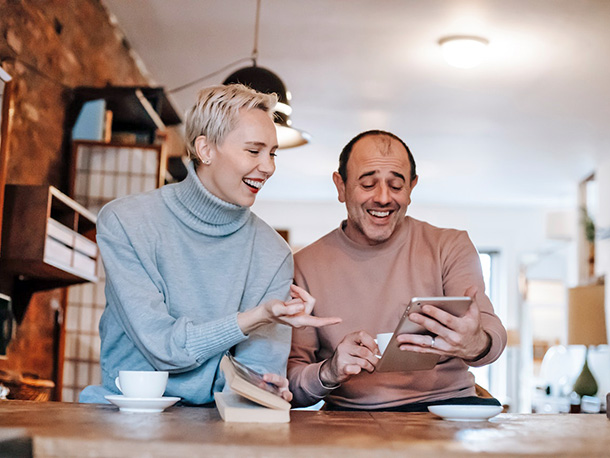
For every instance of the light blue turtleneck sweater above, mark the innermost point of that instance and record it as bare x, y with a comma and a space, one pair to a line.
180, 264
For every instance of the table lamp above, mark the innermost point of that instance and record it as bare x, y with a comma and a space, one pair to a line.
586, 326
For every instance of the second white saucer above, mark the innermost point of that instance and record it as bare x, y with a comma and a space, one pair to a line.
142, 405
465, 412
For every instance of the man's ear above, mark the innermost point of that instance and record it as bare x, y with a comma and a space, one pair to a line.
203, 149
340, 185
413, 184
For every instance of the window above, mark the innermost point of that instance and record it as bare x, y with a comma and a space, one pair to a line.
103, 172
483, 375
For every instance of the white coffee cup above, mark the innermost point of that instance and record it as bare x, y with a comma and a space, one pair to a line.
142, 384
383, 340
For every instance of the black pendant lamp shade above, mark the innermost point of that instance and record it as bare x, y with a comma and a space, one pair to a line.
264, 80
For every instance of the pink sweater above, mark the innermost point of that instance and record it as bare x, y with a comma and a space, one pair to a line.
369, 287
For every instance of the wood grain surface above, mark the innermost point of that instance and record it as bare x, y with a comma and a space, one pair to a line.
70, 430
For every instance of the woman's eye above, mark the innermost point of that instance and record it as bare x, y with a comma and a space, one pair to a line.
253, 151
273, 154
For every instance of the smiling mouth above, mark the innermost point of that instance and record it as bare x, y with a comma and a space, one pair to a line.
254, 185
379, 214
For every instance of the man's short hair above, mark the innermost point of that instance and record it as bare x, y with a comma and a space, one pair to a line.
347, 151
216, 112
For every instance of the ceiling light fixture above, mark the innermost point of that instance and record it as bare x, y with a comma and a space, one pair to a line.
463, 51
264, 80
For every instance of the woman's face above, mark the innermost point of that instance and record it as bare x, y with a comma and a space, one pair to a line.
240, 166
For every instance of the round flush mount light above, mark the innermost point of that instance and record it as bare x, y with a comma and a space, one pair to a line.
463, 51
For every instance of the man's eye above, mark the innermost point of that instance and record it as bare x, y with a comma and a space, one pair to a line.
367, 186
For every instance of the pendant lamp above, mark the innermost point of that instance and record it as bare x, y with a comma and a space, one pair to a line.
264, 80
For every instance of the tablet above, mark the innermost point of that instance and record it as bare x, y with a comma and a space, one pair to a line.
396, 360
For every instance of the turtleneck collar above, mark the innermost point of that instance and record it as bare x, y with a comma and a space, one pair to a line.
202, 211
365, 251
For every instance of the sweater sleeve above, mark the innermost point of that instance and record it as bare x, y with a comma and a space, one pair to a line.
267, 347
462, 269
303, 364
134, 292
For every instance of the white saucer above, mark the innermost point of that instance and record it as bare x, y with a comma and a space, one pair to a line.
465, 413
143, 405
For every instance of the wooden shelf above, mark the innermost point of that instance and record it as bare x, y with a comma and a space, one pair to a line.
48, 238
134, 108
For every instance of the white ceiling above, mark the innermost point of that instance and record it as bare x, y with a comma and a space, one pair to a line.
522, 129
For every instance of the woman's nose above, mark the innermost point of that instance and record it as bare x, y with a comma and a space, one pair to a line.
267, 165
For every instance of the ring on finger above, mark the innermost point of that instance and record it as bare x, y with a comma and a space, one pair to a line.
432, 343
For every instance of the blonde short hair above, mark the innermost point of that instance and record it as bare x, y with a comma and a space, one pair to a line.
216, 112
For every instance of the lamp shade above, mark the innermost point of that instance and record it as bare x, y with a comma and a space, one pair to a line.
586, 315
264, 80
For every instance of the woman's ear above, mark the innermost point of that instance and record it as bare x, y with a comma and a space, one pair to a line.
203, 149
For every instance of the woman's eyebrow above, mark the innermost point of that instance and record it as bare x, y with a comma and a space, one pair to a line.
255, 143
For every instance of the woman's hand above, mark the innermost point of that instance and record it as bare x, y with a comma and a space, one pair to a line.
281, 383
296, 313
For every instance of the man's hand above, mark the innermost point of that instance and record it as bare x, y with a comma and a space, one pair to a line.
356, 352
296, 313
281, 383
461, 337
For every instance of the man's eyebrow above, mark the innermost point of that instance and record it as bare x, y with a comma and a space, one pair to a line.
372, 172
367, 174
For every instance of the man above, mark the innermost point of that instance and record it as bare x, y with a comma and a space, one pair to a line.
366, 271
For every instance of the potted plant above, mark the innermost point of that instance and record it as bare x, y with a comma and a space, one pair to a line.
589, 229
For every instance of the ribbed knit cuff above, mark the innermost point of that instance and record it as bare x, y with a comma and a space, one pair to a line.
205, 341
491, 352
314, 386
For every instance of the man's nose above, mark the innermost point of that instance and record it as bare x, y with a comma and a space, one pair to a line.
383, 195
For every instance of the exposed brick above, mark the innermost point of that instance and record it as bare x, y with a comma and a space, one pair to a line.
86, 52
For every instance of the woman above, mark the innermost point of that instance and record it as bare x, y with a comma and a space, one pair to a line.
191, 272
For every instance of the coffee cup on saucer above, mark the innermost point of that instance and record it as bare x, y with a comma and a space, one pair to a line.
142, 384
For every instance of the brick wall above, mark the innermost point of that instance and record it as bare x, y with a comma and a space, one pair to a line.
50, 47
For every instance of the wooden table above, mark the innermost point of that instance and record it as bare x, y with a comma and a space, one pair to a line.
75, 430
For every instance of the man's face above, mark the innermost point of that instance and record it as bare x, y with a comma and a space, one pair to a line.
378, 189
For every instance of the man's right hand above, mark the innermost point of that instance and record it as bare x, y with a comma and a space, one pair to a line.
356, 352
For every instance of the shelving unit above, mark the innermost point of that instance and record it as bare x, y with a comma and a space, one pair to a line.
49, 239
6, 117
134, 160
143, 111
